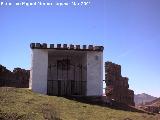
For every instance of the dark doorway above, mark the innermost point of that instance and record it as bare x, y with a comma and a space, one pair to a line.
67, 79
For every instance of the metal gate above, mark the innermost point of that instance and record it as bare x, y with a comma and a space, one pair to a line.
67, 80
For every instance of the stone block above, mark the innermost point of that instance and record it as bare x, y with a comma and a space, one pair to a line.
77, 47
44, 45
32, 45
99, 48
51, 45
38, 45
58, 45
90, 47
65, 46
71, 46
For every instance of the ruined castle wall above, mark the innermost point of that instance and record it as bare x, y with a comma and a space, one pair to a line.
18, 78
117, 87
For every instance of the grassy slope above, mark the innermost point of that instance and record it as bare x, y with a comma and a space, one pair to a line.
24, 104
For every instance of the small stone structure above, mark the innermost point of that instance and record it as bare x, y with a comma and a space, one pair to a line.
67, 70
117, 87
18, 78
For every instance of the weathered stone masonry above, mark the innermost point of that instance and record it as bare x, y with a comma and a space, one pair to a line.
18, 78
117, 87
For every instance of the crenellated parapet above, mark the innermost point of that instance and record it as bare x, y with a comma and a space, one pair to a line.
66, 47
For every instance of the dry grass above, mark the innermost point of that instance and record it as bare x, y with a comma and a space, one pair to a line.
23, 104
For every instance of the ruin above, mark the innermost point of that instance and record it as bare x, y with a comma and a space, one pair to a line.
64, 70
72, 70
117, 87
18, 78
150, 108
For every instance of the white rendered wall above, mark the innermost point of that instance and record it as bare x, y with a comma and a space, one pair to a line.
94, 73
39, 69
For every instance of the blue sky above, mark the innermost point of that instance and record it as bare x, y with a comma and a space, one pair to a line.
128, 29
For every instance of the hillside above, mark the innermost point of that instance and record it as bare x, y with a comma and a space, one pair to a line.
23, 104
143, 98
155, 102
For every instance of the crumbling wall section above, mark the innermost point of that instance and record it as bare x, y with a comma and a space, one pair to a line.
117, 87
18, 78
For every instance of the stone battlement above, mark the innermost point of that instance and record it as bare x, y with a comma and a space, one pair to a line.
66, 47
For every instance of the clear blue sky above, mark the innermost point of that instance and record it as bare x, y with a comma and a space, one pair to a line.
128, 29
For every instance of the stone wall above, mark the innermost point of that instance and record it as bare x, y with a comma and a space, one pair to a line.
94, 73
117, 87
18, 78
39, 68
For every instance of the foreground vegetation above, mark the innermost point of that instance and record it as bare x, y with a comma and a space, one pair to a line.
23, 104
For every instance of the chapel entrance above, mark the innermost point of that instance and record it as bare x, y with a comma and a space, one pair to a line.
66, 76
